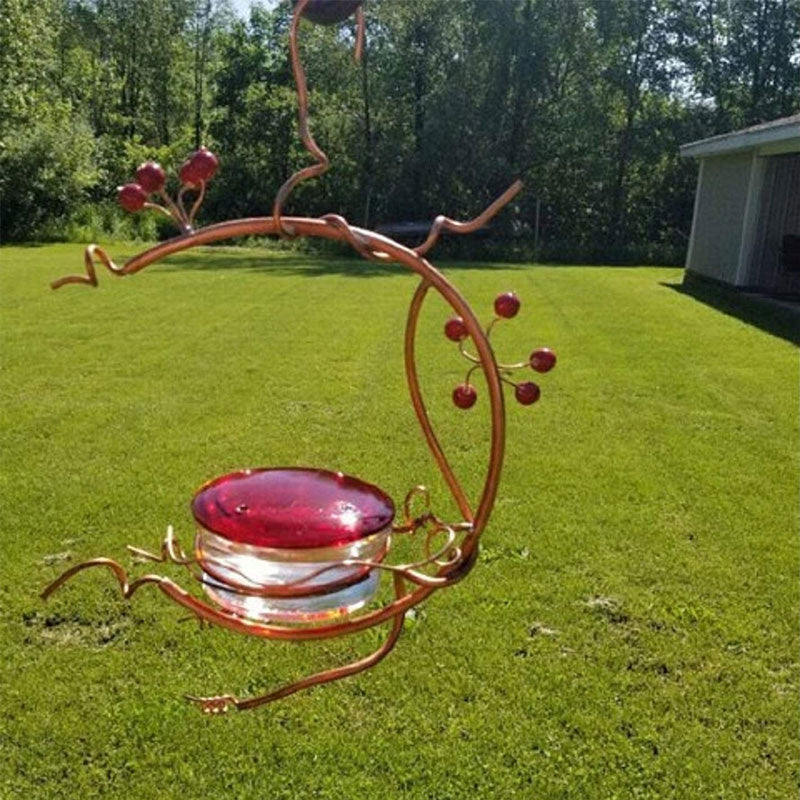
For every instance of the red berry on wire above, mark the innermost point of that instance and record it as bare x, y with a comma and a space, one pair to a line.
329, 12
188, 174
464, 395
543, 359
131, 197
455, 329
527, 393
151, 176
204, 164
506, 305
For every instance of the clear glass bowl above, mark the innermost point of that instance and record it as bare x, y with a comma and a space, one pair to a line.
327, 589
271, 542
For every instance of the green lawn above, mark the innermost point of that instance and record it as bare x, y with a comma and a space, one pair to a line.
630, 632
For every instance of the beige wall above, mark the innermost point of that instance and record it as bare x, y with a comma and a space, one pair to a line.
719, 216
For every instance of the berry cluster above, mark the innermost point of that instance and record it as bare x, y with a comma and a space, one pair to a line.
542, 360
151, 179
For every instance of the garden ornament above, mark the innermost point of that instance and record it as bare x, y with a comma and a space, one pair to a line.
295, 553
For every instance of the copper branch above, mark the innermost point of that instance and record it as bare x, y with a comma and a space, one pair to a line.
430, 277
197, 203
178, 215
361, 31
472, 225
221, 703
501, 367
314, 170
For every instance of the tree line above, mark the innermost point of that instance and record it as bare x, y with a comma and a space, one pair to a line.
586, 100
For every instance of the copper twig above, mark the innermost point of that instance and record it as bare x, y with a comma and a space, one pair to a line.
349, 235
314, 170
500, 366
128, 588
221, 703
472, 225
361, 30
170, 551
174, 210
197, 203
184, 216
158, 207
90, 277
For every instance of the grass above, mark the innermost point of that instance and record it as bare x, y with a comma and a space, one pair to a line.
630, 632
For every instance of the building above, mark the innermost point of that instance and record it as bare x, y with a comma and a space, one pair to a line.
746, 224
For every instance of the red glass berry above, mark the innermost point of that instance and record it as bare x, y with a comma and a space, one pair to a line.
189, 175
131, 197
329, 12
527, 393
204, 164
464, 395
506, 305
543, 359
151, 176
455, 329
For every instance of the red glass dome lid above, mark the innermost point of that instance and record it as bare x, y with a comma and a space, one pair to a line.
329, 12
291, 508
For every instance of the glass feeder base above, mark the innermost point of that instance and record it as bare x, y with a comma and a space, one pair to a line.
328, 587
295, 609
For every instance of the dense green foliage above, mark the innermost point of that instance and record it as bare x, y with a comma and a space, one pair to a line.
630, 630
587, 100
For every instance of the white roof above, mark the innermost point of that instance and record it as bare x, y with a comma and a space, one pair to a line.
779, 134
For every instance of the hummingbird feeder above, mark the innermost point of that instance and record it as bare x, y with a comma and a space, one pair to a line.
296, 553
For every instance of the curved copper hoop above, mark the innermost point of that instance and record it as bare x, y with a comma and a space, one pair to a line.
337, 229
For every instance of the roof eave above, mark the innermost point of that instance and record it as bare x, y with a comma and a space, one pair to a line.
738, 142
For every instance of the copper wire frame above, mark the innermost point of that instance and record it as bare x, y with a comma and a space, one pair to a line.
449, 550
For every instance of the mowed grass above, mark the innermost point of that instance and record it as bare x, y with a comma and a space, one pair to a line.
630, 631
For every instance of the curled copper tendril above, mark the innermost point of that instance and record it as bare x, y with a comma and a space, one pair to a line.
322, 162
442, 222
90, 276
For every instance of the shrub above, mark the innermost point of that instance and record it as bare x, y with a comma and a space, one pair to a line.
44, 171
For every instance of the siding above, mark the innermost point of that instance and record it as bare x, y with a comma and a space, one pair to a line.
719, 216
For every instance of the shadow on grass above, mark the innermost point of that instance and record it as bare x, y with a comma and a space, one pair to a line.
761, 312
309, 266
